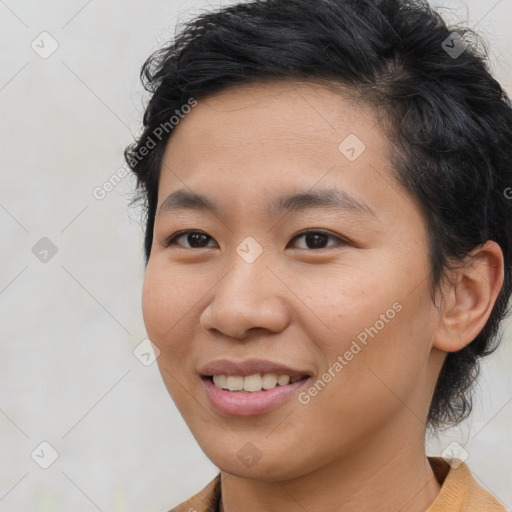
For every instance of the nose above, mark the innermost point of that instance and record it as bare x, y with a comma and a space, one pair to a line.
247, 296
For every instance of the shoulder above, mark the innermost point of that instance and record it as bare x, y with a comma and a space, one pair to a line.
206, 500
460, 492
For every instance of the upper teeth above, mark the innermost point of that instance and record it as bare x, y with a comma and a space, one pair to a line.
252, 383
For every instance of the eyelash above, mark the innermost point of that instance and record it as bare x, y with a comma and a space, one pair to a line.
173, 238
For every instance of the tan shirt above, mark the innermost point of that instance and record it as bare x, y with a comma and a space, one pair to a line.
459, 492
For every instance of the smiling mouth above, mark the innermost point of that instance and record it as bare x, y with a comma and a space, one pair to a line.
252, 383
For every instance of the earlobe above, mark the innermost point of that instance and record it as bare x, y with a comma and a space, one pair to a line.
470, 297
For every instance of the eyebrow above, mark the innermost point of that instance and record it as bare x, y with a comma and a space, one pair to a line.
323, 198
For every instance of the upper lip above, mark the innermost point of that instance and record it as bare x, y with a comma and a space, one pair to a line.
248, 367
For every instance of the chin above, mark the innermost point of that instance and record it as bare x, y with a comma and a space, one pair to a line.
267, 468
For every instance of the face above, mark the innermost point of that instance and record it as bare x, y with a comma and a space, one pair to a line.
302, 258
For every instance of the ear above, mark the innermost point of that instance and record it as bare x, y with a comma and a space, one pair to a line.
469, 296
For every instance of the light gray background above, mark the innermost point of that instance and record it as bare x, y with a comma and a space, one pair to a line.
68, 375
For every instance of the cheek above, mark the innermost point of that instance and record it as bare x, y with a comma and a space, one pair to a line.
155, 304
351, 301
379, 327
166, 302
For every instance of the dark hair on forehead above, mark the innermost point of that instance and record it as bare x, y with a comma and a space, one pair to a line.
447, 120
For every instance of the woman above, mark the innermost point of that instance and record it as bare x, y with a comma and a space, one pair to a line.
328, 249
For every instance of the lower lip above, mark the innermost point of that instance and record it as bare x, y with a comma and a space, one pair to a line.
235, 403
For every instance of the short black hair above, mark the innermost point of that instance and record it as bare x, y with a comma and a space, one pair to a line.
447, 120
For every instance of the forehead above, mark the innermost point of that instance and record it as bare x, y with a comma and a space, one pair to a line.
256, 142
292, 116
288, 125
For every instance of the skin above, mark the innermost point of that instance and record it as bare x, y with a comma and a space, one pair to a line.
359, 443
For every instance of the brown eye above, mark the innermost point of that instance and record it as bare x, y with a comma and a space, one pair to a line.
315, 239
195, 239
